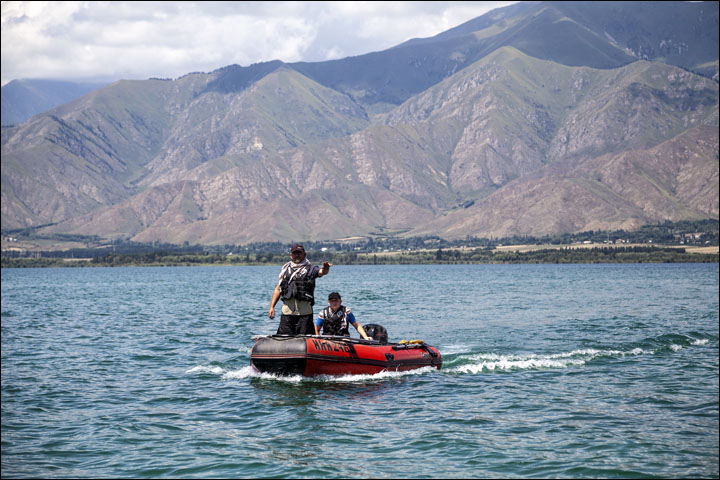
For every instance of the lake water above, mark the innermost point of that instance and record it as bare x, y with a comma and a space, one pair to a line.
548, 371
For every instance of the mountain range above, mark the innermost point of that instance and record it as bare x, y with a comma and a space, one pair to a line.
538, 118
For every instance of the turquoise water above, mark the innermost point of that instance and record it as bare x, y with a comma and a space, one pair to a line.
549, 371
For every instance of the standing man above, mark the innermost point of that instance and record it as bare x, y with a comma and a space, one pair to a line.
296, 287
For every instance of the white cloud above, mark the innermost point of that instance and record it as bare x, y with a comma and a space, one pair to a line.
111, 40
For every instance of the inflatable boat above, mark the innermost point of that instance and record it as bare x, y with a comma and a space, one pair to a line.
311, 355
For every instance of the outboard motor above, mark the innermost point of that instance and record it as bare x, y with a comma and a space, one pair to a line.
376, 332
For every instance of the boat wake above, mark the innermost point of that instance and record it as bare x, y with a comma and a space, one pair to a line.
250, 372
459, 359
491, 362
474, 363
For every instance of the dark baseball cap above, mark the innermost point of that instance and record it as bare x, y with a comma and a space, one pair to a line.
297, 248
334, 295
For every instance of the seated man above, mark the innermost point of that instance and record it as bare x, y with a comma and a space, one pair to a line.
335, 318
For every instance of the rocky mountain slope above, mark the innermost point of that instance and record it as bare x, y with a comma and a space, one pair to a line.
509, 143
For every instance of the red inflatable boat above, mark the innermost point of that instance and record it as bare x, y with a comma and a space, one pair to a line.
311, 355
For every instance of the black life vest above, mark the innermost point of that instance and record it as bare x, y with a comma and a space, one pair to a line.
335, 323
298, 284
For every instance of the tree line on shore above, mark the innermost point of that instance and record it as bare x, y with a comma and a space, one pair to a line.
698, 232
634, 254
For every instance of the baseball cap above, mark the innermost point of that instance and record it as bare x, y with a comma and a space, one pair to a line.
297, 248
334, 295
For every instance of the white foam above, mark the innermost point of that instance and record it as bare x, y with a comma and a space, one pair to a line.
251, 372
675, 347
509, 364
488, 362
377, 376
206, 369
701, 341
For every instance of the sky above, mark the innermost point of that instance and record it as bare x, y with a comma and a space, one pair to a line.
107, 41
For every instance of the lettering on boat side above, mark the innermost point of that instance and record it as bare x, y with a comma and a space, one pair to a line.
328, 346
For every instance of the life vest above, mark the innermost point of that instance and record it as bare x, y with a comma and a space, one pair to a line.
335, 323
298, 284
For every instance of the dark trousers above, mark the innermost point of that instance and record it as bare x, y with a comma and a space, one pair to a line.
296, 325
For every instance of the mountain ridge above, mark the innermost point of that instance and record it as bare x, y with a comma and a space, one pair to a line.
24, 98
687, 39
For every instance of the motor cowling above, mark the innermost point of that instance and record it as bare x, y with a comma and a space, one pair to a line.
376, 332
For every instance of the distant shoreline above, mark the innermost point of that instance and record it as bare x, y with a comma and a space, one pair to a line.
510, 254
